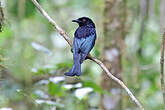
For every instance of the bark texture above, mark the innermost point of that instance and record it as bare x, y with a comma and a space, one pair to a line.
162, 15
114, 32
1, 17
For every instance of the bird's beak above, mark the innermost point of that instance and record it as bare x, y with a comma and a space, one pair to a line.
76, 20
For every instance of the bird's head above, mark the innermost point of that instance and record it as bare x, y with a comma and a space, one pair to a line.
84, 21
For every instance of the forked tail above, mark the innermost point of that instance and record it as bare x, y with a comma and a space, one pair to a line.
76, 68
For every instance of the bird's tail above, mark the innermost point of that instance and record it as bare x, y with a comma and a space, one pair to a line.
76, 68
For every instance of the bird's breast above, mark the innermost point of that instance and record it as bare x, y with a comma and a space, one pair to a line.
84, 32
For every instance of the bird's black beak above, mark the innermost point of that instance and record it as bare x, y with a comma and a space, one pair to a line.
76, 20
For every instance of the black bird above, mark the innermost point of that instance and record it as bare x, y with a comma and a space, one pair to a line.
84, 40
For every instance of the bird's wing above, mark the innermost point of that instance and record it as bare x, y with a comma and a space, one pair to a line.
77, 42
76, 68
86, 46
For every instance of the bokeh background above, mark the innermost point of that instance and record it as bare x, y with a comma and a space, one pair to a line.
34, 57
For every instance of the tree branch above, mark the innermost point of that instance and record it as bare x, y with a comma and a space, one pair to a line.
162, 67
64, 35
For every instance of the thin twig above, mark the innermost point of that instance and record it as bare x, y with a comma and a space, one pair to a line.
63, 34
162, 67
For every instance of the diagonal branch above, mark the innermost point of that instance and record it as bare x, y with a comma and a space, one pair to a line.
162, 67
64, 35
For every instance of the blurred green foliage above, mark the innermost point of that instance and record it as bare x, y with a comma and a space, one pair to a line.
24, 62
28, 7
55, 89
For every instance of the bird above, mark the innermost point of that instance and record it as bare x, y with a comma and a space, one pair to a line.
83, 42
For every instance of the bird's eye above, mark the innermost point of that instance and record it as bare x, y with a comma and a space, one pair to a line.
84, 20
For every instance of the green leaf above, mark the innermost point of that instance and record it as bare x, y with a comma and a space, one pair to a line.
62, 65
6, 33
97, 53
43, 71
55, 89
